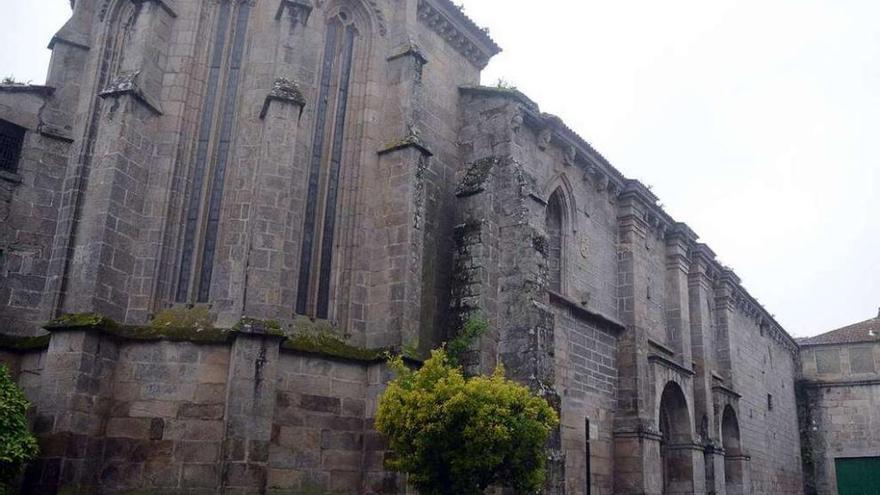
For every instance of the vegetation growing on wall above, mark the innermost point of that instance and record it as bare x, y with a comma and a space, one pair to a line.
17, 445
458, 435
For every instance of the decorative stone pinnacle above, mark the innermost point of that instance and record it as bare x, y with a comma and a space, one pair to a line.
283, 90
126, 83
300, 10
410, 49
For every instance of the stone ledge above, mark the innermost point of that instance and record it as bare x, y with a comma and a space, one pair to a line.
319, 345
91, 322
668, 363
727, 391
411, 141
17, 343
585, 313
12, 177
840, 383
331, 347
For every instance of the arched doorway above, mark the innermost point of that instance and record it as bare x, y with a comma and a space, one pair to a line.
676, 444
733, 455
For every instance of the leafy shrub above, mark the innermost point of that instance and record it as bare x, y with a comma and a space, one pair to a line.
17, 445
458, 435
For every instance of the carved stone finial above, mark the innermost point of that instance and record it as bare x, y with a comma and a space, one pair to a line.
283, 90
570, 156
516, 122
544, 138
126, 83
602, 182
300, 10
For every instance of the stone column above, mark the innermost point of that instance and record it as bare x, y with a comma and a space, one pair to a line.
701, 295
404, 164
72, 406
737, 463
678, 245
70, 50
636, 441
725, 304
250, 404
270, 255
102, 215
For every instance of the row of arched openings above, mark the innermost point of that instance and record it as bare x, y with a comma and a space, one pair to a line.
676, 462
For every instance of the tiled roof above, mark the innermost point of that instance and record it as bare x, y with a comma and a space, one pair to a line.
866, 331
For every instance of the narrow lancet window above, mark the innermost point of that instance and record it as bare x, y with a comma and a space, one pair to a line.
554, 241
212, 152
316, 257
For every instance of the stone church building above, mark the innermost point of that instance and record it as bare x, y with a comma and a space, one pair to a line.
323, 180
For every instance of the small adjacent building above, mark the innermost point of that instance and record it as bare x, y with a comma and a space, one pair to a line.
840, 410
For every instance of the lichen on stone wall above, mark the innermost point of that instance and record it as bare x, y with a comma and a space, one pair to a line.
477, 174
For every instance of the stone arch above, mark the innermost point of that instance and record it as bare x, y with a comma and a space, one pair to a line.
733, 454
676, 444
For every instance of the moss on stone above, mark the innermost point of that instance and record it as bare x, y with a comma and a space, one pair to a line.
196, 317
261, 327
176, 325
80, 321
18, 343
172, 334
329, 345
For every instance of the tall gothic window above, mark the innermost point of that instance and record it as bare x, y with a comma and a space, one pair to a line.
213, 151
554, 240
319, 228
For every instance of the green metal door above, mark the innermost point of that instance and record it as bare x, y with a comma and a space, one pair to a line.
858, 476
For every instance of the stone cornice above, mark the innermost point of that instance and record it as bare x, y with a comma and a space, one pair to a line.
447, 20
840, 383
43, 91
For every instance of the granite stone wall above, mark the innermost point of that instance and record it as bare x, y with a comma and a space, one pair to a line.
840, 409
119, 416
181, 156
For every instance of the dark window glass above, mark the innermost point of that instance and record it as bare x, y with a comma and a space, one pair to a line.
325, 167
554, 242
11, 140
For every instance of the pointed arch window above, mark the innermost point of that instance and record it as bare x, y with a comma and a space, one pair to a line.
213, 151
326, 163
555, 245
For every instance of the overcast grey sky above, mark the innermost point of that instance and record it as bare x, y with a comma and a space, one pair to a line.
757, 122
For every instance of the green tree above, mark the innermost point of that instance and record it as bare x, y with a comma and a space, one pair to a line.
17, 445
456, 435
